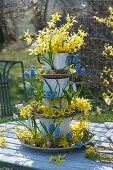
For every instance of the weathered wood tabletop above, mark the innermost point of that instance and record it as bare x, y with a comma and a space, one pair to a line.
16, 156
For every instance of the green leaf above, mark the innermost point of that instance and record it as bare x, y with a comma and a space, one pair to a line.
56, 87
48, 86
45, 128
23, 124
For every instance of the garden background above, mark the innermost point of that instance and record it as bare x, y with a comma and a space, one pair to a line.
16, 16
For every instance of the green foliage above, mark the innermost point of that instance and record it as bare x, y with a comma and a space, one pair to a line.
48, 134
15, 76
32, 128
70, 93
92, 152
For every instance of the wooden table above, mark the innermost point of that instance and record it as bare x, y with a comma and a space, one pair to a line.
16, 156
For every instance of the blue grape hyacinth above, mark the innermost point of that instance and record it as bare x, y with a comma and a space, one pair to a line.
57, 132
51, 96
68, 60
32, 67
26, 74
77, 67
69, 136
75, 59
79, 145
54, 95
51, 127
32, 73
31, 88
83, 71
48, 95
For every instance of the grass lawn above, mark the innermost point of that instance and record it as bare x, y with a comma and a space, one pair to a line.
15, 76
16, 86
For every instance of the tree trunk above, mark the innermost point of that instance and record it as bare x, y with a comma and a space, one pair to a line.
45, 11
3, 25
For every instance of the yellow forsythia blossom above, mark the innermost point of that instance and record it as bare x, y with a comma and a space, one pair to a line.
26, 111
60, 37
109, 22
78, 105
58, 159
2, 139
78, 129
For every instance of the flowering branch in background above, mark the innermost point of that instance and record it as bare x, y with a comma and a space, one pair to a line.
108, 72
108, 21
28, 37
108, 95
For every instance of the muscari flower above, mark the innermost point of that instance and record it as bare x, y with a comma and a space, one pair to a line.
31, 88
54, 95
57, 132
83, 71
32, 73
51, 96
51, 127
68, 60
26, 74
48, 95
75, 59
69, 136
77, 67
32, 67
78, 145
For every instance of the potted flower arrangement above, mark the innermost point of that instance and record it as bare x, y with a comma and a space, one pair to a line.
53, 44
56, 102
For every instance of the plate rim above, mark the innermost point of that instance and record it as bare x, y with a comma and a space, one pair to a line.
54, 149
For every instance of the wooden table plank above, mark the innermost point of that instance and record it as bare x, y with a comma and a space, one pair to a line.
17, 156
